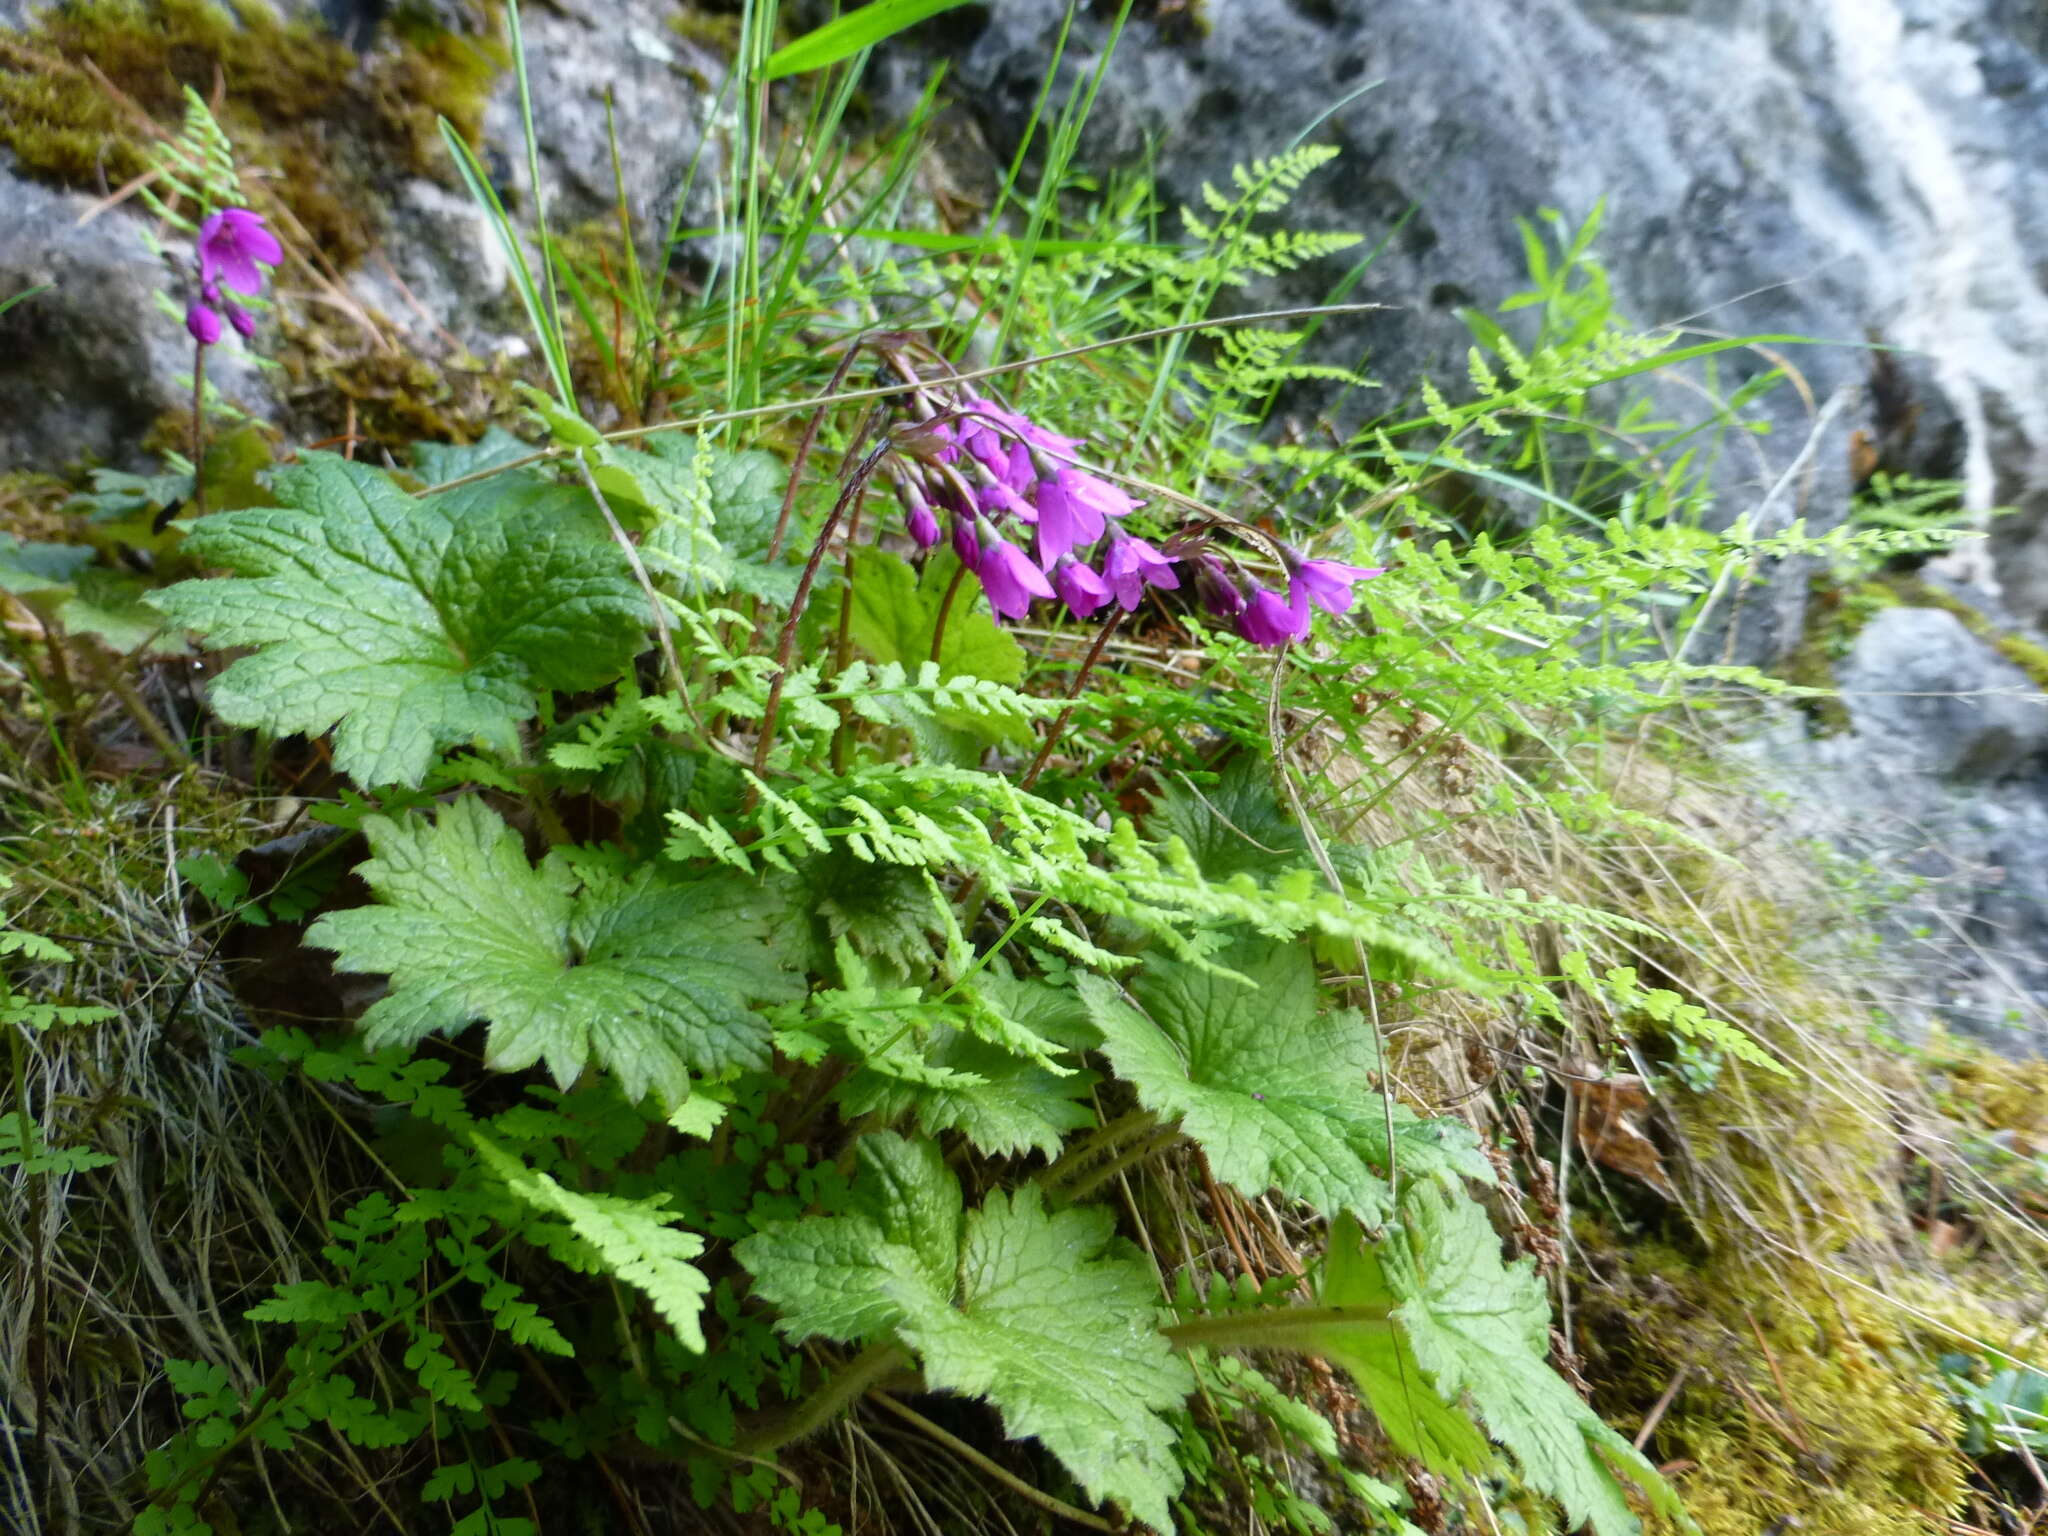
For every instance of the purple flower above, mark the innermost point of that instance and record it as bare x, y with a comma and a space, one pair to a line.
1009, 577
918, 518
242, 321
231, 243
1219, 593
1079, 587
1327, 583
985, 424
203, 322
965, 544
1269, 622
1133, 565
1072, 507
997, 498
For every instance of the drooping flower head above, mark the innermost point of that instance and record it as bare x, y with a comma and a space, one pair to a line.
1008, 575
1326, 583
1073, 506
1268, 621
1079, 587
1133, 565
234, 246
1217, 590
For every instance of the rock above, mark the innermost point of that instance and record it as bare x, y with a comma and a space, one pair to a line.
1938, 798
89, 365
1929, 697
661, 87
1825, 168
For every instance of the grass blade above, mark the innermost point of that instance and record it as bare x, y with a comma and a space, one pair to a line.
849, 34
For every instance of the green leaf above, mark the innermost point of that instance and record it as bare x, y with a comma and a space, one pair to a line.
644, 977
438, 462
1276, 1094
632, 1239
1470, 1329
32, 569
408, 624
716, 512
1233, 826
894, 614
1004, 1103
1040, 1313
847, 35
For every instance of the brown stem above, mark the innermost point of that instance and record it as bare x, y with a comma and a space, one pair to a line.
946, 610
803, 454
1059, 726
786, 646
842, 650
199, 429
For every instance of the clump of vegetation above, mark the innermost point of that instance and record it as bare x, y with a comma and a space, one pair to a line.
856, 959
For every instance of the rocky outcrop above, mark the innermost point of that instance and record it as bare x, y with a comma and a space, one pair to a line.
1937, 796
1825, 168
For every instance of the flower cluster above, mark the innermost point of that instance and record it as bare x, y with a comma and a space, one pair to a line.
232, 244
1032, 524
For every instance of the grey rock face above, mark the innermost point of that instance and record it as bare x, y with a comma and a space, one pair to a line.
1928, 696
1826, 168
88, 365
1938, 790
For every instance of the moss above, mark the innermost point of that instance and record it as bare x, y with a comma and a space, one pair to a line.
2029, 656
316, 133
1838, 615
392, 398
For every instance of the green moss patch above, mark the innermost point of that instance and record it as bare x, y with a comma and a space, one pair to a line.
317, 129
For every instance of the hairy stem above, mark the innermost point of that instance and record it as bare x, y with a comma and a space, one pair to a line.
1300, 1329
869, 1368
1127, 1157
1094, 1144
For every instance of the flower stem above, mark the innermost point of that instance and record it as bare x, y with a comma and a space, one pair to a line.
946, 609
786, 647
842, 650
1059, 726
803, 454
199, 429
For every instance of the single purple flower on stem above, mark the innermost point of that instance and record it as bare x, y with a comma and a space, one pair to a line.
1009, 577
1131, 566
231, 244
242, 321
1079, 587
1218, 591
203, 321
1072, 510
1268, 621
1327, 583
